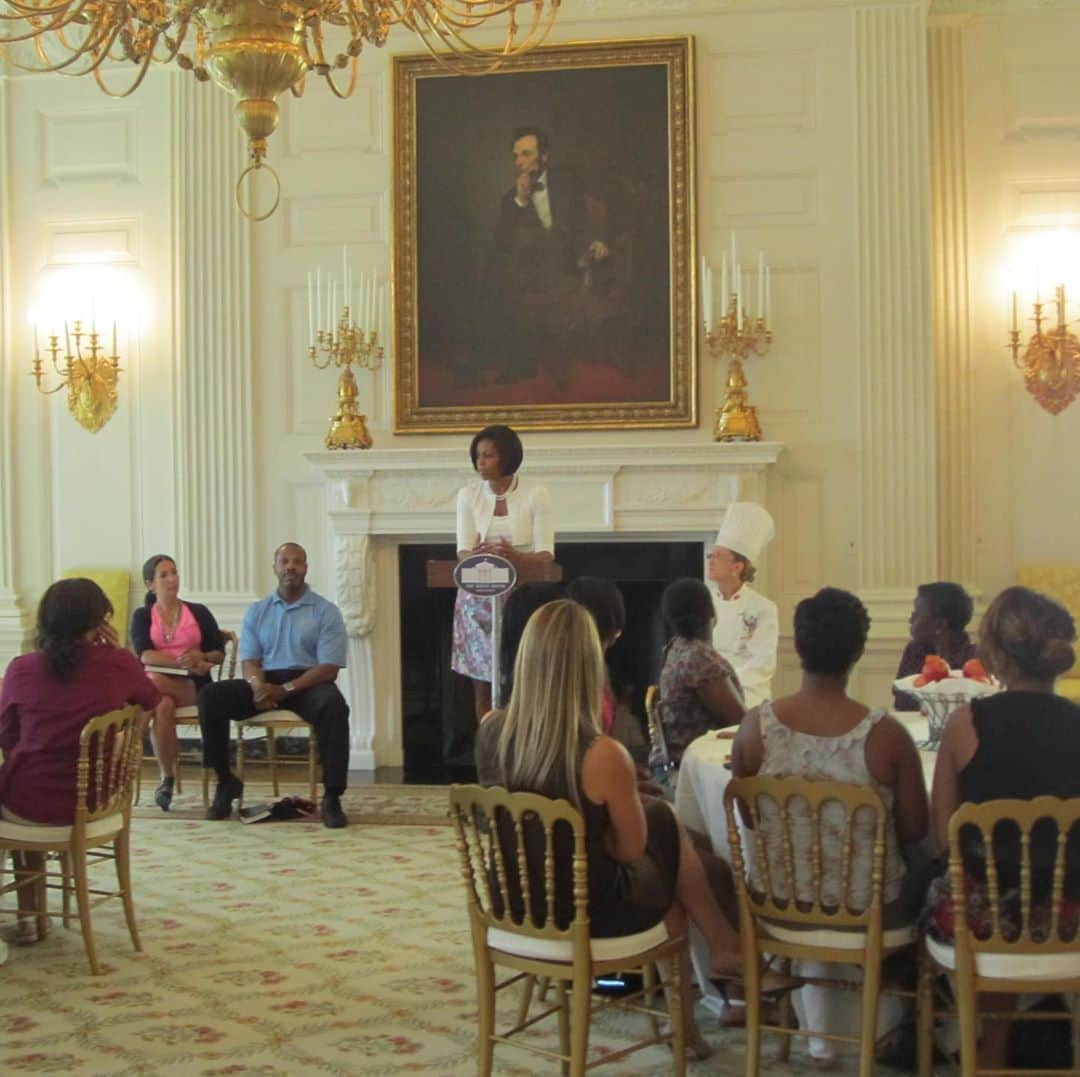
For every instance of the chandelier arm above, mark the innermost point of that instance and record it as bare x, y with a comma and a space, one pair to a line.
76, 54
49, 392
354, 71
300, 82
63, 17
482, 59
143, 68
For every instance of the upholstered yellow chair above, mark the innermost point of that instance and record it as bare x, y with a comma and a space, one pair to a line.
820, 924
1063, 583
187, 717
504, 891
1026, 945
116, 583
110, 747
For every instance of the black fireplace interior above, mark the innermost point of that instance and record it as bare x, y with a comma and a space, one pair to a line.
438, 723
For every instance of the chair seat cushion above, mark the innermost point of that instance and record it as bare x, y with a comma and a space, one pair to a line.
274, 718
562, 950
1059, 966
837, 938
99, 829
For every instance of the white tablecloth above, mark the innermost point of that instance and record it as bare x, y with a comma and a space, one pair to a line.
699, 800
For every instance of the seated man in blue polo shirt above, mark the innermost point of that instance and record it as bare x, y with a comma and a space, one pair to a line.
291, 647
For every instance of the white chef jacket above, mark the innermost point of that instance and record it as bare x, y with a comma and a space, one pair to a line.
746, 634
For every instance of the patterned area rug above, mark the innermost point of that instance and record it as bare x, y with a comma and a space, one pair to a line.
367, 805
280, 950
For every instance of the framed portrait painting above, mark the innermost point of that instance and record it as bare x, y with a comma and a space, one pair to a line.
543, 240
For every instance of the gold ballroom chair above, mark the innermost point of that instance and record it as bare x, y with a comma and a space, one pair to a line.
815, 927
187, 717
1040, 959
495, 873
110, 748
273, 724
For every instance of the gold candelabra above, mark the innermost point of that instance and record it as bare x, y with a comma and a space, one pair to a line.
346, 345
737, 335
1050, 361
89, 375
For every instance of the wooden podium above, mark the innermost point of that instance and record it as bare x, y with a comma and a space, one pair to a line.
440, 574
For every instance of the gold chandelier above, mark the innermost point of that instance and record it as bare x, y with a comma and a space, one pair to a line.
257, 49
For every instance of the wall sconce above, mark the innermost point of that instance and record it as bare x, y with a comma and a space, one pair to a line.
1050, 360
71, 352
89, 375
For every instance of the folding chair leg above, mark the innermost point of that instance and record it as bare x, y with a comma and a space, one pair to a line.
527, 985
580, 1015
66, 887
679, 1011
122, 851
485, 1000
967, 1015
786, 1015
82, 897
753, 1017
564, 1025
924, 1016
871, 994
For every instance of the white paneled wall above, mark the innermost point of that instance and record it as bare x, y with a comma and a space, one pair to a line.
817, 124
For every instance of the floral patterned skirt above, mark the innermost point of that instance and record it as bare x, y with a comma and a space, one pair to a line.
471, 650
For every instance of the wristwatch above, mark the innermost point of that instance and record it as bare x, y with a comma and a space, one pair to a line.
289, 687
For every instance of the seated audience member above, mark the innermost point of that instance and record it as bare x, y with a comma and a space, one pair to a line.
168, 632
521, 604
699, 690
747, 628
1021, 743
292, 646
820, 733
604, 601
642, 868
939, 620
75, 672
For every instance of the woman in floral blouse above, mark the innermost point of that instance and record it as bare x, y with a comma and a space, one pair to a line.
699, 690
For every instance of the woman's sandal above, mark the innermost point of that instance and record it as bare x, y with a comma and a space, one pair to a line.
774, 985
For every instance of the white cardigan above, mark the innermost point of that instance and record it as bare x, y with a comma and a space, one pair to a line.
528, 508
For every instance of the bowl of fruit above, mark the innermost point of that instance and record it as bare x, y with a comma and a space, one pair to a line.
941, 690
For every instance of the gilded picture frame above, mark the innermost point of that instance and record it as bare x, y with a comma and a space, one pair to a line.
544, 240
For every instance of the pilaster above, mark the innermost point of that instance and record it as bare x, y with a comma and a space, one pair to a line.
213, 356
897, 535
12, 625
952, 331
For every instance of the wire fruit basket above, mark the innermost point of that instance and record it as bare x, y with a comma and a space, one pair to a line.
939, 699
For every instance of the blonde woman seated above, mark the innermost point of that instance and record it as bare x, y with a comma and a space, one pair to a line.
642, 869
184, 636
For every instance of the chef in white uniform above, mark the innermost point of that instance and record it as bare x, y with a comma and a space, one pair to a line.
747, 628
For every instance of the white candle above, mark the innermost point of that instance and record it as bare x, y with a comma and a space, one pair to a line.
704, 271
761, 284
768, 296
382, 311
318, 293
345, 272
36, 354
114, 351
738, 298
67, 338
725, 295
734, 253
93, 319
310, 308
1015, 315
333, 303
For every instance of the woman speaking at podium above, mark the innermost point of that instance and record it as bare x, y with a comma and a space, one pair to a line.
502, 514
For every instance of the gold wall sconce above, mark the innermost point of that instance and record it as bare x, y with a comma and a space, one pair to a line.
82, 367
1050, 360
736, 334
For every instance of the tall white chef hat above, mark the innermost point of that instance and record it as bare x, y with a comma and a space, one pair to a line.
747, 529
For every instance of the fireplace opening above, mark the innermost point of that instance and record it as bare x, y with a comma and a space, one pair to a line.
438, 720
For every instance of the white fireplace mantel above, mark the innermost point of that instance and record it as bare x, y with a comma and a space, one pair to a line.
380, 499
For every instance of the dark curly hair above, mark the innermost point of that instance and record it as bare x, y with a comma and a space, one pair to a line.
830, 631
603, 599
67, 611
1029, 632
506, 442
948, 602
149, 568
687, 607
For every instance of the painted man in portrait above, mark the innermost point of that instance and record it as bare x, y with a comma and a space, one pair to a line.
550, 252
